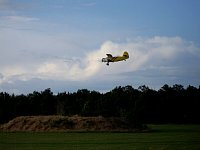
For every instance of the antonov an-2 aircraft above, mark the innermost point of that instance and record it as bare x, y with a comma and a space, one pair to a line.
110, 58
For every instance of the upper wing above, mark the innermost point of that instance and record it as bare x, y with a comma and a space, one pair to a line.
109, 55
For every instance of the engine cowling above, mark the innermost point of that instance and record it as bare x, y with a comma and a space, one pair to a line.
104, 60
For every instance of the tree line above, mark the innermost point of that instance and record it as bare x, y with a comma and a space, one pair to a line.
169, 104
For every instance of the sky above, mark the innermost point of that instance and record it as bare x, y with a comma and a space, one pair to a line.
59, 44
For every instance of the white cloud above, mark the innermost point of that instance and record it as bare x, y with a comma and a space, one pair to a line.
1, 78
156, 56
18, 22
21, 19
90, 4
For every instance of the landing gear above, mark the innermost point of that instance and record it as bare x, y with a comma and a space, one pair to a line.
105, 60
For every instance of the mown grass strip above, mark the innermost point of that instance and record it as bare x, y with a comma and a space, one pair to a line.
164, 137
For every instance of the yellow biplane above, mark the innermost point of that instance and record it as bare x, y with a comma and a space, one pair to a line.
110, 58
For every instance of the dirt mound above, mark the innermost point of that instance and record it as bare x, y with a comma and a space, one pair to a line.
64, 123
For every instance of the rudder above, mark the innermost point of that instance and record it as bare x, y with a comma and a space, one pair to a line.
126, 55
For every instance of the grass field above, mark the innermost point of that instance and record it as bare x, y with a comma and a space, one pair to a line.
163, 137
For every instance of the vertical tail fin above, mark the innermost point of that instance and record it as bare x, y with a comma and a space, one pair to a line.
126, 55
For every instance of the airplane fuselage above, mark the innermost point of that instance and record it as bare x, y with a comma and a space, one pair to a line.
115, 59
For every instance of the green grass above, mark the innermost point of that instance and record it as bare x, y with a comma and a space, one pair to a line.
163, 137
